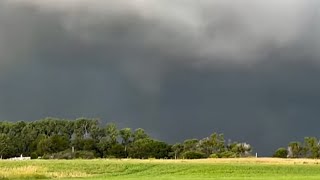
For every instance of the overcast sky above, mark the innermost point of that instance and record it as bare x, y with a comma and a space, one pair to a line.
177, 68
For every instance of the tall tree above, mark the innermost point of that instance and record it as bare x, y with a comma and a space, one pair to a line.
311, 147
126, 135
294, 149
177, 149
190, 145
112, 133
140, 134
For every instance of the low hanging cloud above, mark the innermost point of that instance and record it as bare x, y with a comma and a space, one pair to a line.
248, 69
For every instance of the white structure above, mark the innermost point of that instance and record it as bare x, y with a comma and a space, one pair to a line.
21, 158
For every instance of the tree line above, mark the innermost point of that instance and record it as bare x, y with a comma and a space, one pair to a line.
87, 138
308, 148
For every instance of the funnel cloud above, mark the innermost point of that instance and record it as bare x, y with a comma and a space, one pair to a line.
178, 68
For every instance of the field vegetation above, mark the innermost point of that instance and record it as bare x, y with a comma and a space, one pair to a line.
233, 169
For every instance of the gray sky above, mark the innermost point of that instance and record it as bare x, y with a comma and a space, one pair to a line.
178, 68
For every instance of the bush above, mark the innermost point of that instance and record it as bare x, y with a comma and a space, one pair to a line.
281, 153
84, 155
116, 151
34, 155
63, 155
47, 156
59, 155
193, 155
214, 156
228, 154
69, 155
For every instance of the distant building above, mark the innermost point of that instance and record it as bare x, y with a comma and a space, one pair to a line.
21, 158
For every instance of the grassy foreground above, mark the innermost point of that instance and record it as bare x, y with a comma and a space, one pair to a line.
233, 169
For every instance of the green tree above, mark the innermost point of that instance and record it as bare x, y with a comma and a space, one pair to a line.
281, 153
177, 150
4, 146
215, 144
43, 147
241, 149
311, 147
148, 148
104, 146
140, 148
116, 151
58, 143
112, 133
83, 127
53, 144
126, 135
190, 145
159, 150
140, 134
294, 149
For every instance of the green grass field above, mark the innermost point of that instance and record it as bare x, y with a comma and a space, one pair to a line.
233, 169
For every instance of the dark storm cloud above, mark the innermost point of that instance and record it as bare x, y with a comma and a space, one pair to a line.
179, 69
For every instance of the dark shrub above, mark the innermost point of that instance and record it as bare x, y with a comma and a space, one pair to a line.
281, 153
69, 155
214, 156
193, 155
228, 154
34, 155
84, 155
117, 151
